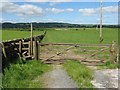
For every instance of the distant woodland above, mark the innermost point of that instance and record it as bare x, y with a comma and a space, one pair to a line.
26, 26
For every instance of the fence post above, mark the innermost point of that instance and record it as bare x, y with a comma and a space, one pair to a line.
20, 47
35, 50
118, 48
113, 52
38, 50
29, 46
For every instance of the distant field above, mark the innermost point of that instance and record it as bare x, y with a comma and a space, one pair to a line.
81, 36
10, 34
89, 35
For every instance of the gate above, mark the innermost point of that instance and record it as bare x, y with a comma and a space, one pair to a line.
89, 54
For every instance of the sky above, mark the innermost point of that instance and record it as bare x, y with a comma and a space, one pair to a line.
66, 11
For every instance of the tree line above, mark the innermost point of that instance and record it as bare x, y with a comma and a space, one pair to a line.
26, 26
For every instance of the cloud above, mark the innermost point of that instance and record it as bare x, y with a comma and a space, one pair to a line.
29, 10
21, 10
60, 0
5, 1
53, 3
56, 11
110, 9
91, 11
87, 11
8, 7
70, 10
52, 20
48, 0
1, 19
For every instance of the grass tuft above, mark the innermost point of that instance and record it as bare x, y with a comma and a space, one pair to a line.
22, 75
79, 73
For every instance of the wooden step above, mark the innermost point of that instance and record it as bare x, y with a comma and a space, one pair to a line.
25, 48
91, 61
49, 62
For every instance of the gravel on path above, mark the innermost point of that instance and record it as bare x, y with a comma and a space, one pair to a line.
107, 78
58, 78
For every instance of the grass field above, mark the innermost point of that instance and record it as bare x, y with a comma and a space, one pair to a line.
12, 34
90, 35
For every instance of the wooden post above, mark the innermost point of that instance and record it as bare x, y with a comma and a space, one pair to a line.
31, 39
117, 55
0, 59
113, 52
101, 39
20, 47
38, 49
35, 50
29, 46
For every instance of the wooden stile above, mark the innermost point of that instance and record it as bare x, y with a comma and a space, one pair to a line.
20, 48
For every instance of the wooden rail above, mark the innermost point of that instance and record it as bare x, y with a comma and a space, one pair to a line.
76, 44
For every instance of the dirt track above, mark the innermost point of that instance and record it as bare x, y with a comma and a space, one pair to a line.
58, 78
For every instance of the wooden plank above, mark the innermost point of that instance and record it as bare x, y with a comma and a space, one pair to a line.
20, 47
77, 44
24, 43
25, 48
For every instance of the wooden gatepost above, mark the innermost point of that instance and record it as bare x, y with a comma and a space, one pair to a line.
113, 52
35, 50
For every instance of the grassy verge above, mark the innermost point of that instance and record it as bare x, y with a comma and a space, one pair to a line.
79, 73
108, 65
23, 75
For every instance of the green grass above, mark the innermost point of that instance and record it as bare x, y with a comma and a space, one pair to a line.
108, 65
79, 73
88, 51
23, 75
12, 34
88, 36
